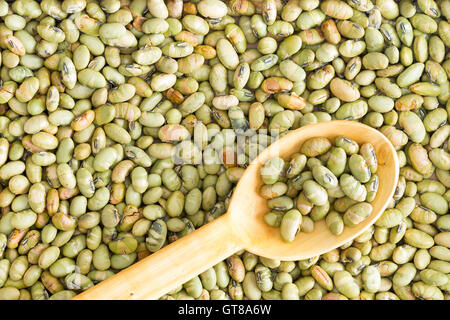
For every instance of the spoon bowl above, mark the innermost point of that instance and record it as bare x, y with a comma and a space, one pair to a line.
243, 226
266, 241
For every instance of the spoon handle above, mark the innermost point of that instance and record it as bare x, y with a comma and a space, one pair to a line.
171, 266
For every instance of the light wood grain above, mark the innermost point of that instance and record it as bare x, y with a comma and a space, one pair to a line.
243, 226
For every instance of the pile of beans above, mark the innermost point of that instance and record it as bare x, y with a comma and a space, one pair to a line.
125, 125
338, 185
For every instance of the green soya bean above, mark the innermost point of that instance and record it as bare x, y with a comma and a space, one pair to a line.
23, 219
359, 168
418, 239
434, 202
76, 281
324, 177
4, 270
290, 225
381, 103
263, 278
32, 275
100, 275
156, 236
222, 277
227, 55
346, 284
375, 61
440, 158
350, 147
371, 279
335, 223
18, 268
315, 193
352, 187
48, 257
296, 165
138, 156
390, 218
274, 190
100, 259
372, 188
264, 62
63, 295
66, 176
99, 199
9, 293
193, 287
250, 286
410, 75
432, 277
105, 159
123, 261
117, 133
367, 151
280, 203
208, 279
352, 110
337, 161
273, 218
315, 146
68, 72
271, 170
412, 125
357, 213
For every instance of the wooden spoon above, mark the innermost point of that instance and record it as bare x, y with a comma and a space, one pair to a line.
243, 227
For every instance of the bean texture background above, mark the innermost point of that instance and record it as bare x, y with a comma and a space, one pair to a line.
125, 124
